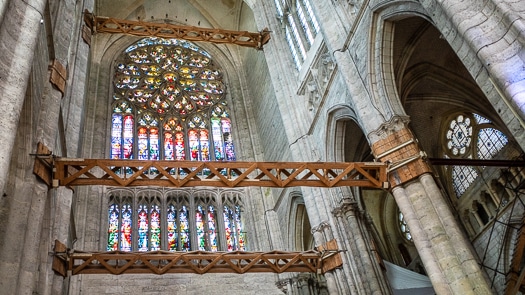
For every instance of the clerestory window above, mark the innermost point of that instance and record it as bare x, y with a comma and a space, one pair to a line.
169, 104
300, 27
470, 136
175, 220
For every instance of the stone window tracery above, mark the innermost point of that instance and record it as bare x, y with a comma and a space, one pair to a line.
174, 220
169, 104
300, 27
470, 136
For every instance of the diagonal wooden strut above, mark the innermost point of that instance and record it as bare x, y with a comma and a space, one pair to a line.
198, 262
126, 173
100, 24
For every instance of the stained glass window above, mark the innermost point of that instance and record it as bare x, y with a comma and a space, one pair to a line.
172, 228
166, 91
184, 226
125, 228
300, 26
470, 136
205, 219
113, 230
235, 237
174, 220
404, 227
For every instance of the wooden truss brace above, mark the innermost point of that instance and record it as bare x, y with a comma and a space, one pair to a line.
67, 262
99, 24
126, 173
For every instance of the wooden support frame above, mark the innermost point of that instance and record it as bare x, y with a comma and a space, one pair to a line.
126, 173
43, 166
100, 24
67, 262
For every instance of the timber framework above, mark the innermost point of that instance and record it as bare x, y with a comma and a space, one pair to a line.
99, 24
126, 173
68, 262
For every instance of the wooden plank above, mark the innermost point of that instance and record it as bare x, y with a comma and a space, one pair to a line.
58, 75
43, 164
331, 258
59, 264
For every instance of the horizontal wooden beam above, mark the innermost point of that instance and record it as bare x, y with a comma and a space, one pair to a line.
110, 25
67, 262
476, 162
127, 173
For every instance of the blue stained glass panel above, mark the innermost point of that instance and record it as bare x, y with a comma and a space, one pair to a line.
199, 221
155, 230
126, 228
113, 227
116, 136
143, 228
128, 137
184, 229
172, 228
212, 229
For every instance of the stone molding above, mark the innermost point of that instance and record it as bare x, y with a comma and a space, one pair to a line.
346, 205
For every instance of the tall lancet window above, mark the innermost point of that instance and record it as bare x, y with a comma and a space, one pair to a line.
148, 223
146, 219
169, 104
120, 216
235, 237
300, 27
206, 223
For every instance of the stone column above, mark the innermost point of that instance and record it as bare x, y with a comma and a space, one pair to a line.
18, 37
60, 224
474, 211
365, 269
443, 248
319, 238
467, 223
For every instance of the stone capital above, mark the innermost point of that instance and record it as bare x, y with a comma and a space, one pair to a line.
319, 228
347, 205
394, 125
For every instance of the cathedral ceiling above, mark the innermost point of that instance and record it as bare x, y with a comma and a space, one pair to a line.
224, 14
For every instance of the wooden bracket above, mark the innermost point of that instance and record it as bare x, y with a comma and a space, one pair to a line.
60, 259
43, 166
330, 256
86, 34
58, 75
